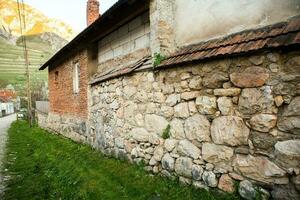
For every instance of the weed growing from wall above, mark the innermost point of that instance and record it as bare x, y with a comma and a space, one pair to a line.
166, 132
158, 58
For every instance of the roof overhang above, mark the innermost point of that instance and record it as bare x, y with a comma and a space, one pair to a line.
280, 35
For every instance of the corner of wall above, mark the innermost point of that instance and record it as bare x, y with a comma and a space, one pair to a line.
162, 27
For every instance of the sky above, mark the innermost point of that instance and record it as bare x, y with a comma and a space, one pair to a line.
72, 12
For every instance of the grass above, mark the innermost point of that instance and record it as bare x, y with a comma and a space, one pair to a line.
46, 166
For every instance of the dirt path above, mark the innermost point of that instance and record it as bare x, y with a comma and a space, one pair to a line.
4, 125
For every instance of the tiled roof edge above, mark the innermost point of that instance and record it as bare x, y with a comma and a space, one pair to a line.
277, 35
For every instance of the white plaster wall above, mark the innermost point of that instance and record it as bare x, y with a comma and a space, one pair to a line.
200, 20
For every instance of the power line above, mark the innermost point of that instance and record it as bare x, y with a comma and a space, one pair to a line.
22, 20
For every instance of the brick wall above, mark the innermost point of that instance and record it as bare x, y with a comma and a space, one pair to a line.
62, 98
92, 11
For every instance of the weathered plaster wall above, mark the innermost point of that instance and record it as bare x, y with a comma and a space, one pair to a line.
200, 20
230, 120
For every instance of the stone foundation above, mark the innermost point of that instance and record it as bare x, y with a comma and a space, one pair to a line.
70, 127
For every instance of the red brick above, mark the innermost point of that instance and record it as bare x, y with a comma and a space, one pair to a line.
62, 99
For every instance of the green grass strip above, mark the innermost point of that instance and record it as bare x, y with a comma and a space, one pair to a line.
47, 166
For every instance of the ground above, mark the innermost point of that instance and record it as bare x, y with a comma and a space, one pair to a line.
4, 125
46, 166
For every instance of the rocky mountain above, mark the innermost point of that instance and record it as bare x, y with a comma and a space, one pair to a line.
36, 21
47, 42
44, 37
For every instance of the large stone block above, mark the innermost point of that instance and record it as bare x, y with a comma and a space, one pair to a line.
186, 148
225, 105
168, 162
250, 77
196, 83
158, 153
206, 104
181, 110
210, 179
140, 135
155, 124
227, 92
293, 109
177, 130
215, 79
229, 130
263, 122
260, 169
183, 166
173, 99
289, 119
130, 111
190, 95
197, 172
262, 140
226, 183
285, 192
170, 144
247, 190
288, 153
197, 128
213, 153
289, 124
253, 100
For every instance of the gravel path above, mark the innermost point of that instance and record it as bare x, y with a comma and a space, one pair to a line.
4, 125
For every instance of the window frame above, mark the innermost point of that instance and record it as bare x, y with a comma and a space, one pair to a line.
76, 77
56, 77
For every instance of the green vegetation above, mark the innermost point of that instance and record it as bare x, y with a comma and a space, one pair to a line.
166, 132
158, 58
12, 67
46, 166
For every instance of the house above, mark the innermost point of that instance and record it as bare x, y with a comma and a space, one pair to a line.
8, 102
207, 91
6, 107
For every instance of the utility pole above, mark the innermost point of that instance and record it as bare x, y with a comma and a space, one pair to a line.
29, 102
27, 72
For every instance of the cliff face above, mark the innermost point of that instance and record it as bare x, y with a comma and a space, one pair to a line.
44, 37
36, 21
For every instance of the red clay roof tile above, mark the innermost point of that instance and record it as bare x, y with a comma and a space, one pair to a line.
277, 35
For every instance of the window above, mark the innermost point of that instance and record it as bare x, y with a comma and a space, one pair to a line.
56, 77
76, 74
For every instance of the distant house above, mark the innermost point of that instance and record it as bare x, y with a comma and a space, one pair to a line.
207, 91
8, 102
6, 107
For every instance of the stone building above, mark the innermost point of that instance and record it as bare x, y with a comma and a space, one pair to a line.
205, 91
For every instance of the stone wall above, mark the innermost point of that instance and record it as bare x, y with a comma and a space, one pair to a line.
211, 124
68, 126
